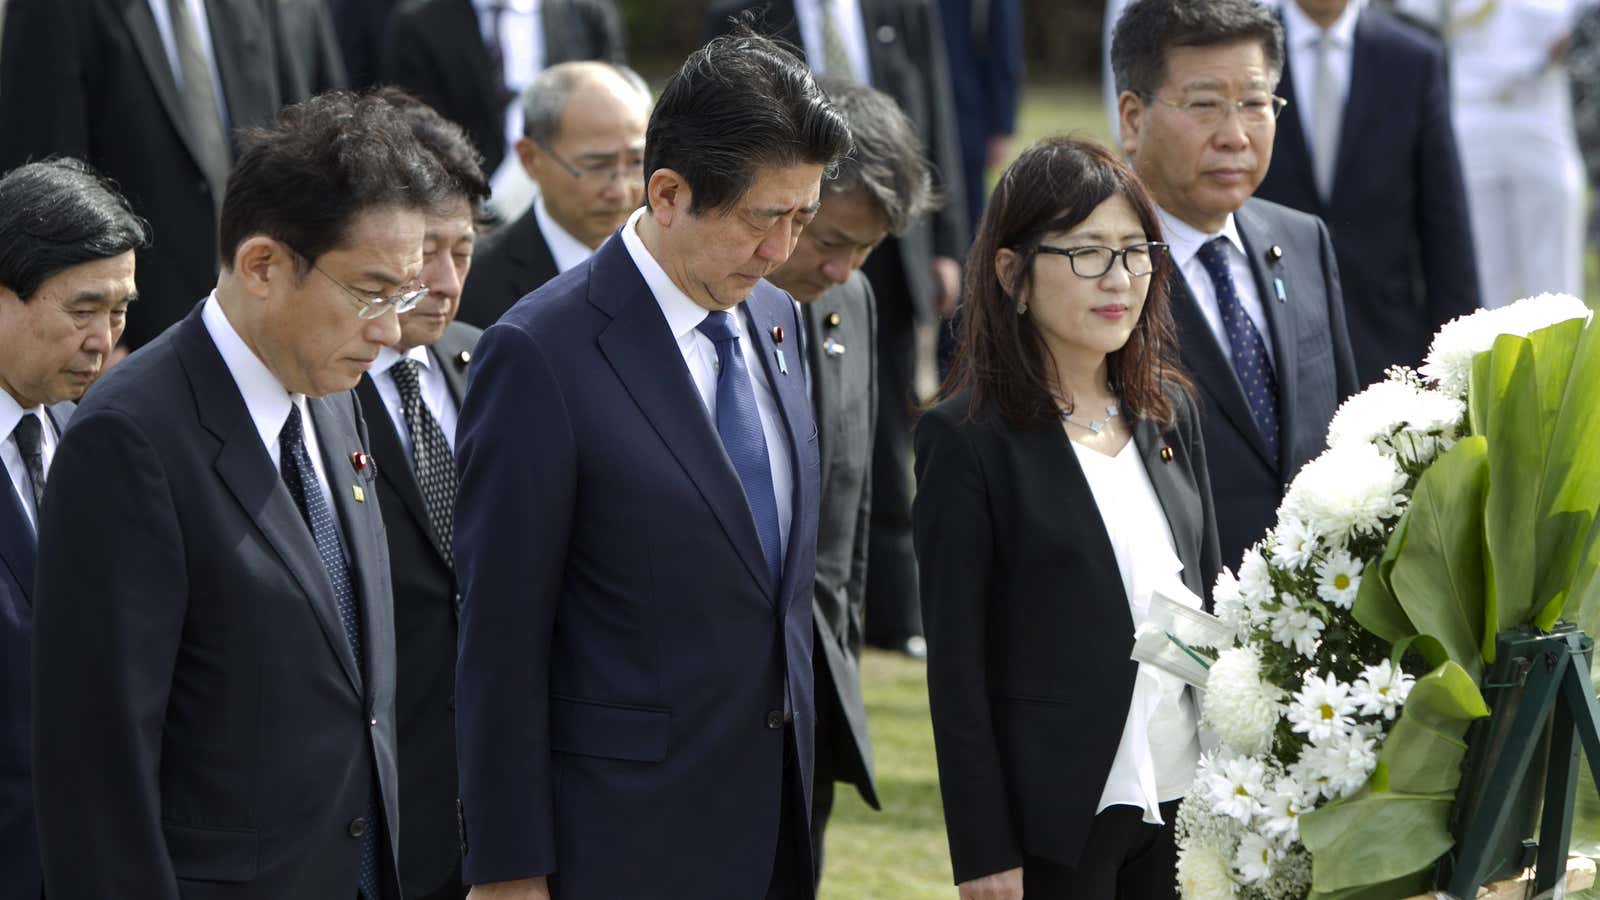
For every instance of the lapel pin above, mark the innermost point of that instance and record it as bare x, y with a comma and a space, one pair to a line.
358, 493
777, 334
463, 358
1166, 453
832, 347
783, 364
834, 320
1274, 253
360, 460
1277, 283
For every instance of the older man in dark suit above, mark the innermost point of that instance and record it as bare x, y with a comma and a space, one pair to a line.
880, 190
150, 93
410, 399
215, 693
67, 243
1367, 144
1255, 288
583, 145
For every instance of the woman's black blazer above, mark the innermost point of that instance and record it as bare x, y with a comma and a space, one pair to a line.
1028, 625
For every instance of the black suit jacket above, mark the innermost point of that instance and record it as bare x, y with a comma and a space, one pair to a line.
425, 600
1029, 630
506, 266
1398, 215
91, 79
436, 51
1315, 368
202, 729
841, 347
906, 51
19, 845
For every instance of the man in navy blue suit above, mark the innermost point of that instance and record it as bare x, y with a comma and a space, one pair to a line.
636, 525
1367, 144
67, 242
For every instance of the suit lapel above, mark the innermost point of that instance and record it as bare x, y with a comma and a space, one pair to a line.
452, 357
18, 544
1271, 277
1204, 358
245, 468
147, 38
237, 30
394, 467
641, 350
823, 383
339, 439
1171, 489
1364, 69
765, 314
1291, 151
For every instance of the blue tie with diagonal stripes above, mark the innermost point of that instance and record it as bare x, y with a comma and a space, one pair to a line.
1250, 360
739, 426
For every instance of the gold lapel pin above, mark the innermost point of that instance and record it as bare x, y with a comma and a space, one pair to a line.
777, 334
1274, 253
834, 320
358, 493
1166, 453
463, 358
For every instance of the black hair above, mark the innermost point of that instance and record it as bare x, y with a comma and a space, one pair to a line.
450, 146
887, 162
1148, 28
57, 214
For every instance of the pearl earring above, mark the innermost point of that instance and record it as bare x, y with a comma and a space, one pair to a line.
1022, 307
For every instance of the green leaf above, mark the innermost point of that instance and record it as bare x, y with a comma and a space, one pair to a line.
1370, 838
1438, 575
1418, 882
1515, 433
1570, 493
1423, 752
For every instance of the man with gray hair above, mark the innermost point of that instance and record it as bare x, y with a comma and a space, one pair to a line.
881, 189
583, 144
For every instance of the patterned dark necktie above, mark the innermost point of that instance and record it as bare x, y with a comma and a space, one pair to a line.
301, 480
1250, 360
739, 426
30, 436
432, 462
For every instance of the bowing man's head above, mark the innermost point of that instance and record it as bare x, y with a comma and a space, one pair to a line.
321, 237
67, 243
734, 158
1195, 82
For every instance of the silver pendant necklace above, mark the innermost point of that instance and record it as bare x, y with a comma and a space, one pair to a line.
1094, 425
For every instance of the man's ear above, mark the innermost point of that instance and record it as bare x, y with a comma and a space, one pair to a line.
529, 154
668, 195
258, 260
1130, 116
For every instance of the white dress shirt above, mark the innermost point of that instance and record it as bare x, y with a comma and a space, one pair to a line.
1160, 744
10, 414
521, 60
700, 357
1184, 242
435, 394
1301, 36
169, 42
852, 32
266, 399
565, 249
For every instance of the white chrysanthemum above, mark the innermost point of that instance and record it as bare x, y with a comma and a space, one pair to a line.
1237, 785
1228, 603
1449, 360
1204, 874
1399, 415
1282, 808
1297, 626
1239, 706
1255, 858
1341, 764
1339, 579
1255, 582
1293, 544
1381, 690
1350, 489
1322, 708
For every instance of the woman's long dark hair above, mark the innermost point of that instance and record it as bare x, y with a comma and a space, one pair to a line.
1052, 187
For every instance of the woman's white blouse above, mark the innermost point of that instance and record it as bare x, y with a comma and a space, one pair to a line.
1160, 746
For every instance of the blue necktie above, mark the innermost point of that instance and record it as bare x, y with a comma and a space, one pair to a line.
739, 426
301, 479
1250, 361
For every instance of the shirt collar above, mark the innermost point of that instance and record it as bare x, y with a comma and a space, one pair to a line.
265, 397
567, 250
1185, 240
683, 314
1304, 32
387, 357
11, 412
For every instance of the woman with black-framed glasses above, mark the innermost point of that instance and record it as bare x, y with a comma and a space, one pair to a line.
1061, 486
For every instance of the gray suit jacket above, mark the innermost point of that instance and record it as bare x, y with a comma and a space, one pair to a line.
1315, 366
841, 349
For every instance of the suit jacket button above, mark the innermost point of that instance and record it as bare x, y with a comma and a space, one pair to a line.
775, 718
358, 827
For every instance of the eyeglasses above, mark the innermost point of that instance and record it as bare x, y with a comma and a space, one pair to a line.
599, 172
371, 307
1095, 262
1210, 112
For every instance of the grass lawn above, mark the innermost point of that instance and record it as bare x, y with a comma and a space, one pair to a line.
900, 853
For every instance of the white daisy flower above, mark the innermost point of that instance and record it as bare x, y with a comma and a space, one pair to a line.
1239, 706
1345, 762
1381, 690
1339, 579
1322, 708
1293, 543
1449, 360
1255, 582
1296, 626
1237, 785
1282, 809
1255, 858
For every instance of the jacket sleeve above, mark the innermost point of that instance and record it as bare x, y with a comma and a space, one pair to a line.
1344, 359
1195, 448
514, 505
110, 603
954, 542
